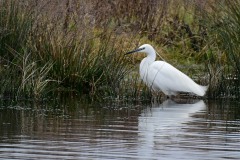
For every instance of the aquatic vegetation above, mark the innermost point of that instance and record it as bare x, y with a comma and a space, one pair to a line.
223, 53
50, 58
78, 47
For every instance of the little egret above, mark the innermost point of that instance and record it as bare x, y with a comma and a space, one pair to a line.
162, 76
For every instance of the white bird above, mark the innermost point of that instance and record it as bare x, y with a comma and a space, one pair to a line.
162, 76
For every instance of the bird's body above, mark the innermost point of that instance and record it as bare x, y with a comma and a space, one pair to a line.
162, 76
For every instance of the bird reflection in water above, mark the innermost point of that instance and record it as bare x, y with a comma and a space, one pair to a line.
161, 125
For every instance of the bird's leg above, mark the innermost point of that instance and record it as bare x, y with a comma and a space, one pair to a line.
164, 97
157, 96
154, 97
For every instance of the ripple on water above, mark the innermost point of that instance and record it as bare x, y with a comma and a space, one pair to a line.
159, 131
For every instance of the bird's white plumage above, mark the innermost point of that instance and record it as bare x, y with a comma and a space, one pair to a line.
162, 76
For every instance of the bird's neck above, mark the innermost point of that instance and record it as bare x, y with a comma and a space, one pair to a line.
151, 57
145, 63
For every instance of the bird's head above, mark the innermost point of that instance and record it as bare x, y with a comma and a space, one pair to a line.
145, 48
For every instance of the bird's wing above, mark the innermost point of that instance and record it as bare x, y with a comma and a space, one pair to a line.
169, 78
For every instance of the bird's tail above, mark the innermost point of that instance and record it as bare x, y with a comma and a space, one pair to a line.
203, 90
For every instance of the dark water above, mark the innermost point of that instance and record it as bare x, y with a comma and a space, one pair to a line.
183, 130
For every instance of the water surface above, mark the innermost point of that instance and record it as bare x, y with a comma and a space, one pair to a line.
170, 130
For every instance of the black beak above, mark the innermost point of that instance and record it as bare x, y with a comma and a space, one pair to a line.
136, 50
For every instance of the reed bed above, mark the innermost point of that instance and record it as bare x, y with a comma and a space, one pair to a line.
53, 47
55, 57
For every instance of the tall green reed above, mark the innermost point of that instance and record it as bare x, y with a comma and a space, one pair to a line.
15, 26
223, 54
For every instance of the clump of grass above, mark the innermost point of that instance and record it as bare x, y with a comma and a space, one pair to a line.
15, 27
223, 54
85, 63
71, 57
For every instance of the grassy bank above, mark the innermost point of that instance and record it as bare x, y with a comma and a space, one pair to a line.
51, 47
